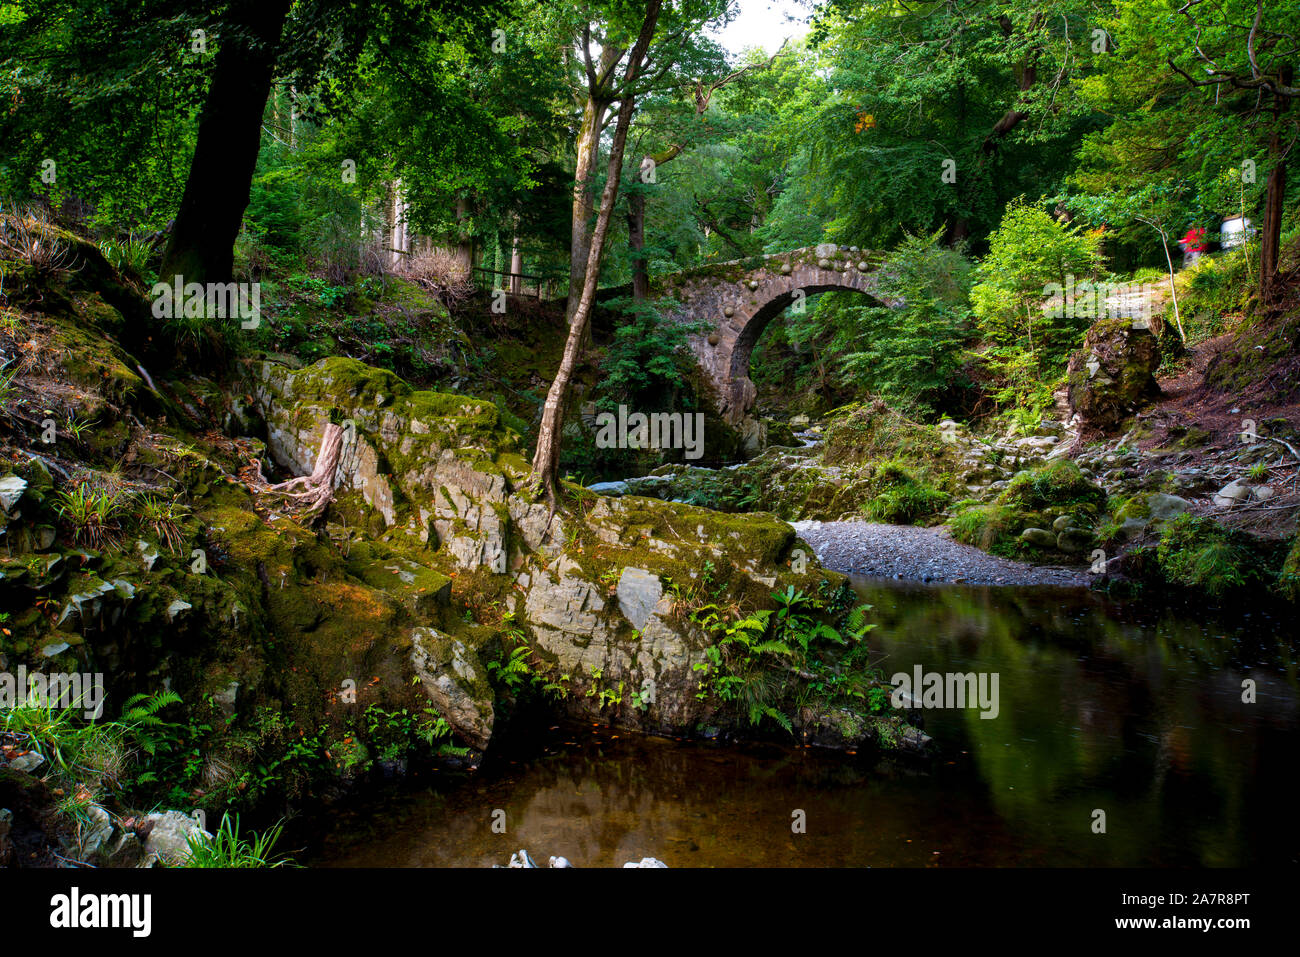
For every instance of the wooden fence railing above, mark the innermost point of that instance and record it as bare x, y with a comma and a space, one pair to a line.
542, 287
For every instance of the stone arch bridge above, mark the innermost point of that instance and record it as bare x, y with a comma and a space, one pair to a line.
733, 302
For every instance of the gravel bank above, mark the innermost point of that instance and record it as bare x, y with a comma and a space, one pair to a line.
908, 553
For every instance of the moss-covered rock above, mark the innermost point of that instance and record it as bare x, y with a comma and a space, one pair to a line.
1057, 485
1113, 374
998, 529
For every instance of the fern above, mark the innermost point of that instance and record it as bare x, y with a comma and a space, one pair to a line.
513, 668
782, 719
141, 721
856, 625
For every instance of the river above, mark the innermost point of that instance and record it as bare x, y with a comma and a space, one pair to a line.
1130, 709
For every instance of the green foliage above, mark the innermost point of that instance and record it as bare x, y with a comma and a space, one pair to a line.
90, 759
143, 726
766, 663
227, 849
1198, 553
512, 670
915, 88
94, 515
906, 503
643, 366
1058, 484
163, 518
393, 734
914, 354
1031, 256
128, 254
994, 528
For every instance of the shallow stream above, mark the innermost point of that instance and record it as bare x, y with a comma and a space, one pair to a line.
1132, 710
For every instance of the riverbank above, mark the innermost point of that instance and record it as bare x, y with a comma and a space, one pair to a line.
929, 555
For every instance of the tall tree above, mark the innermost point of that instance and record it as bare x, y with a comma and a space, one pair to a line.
546, 459
679, 139
602, 34
202, 241
1237, 48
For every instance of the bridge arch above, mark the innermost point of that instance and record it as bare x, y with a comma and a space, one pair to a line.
734, 302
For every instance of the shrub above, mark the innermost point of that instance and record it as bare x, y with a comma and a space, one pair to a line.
1196, 552
1027, 345
994, 528
902, 499
914, 353
1055, 485
440, 272
644, 364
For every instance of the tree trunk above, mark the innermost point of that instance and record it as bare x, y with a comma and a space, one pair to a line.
1270, 240
316, 491
202, 242
546, 460
516, 267
588, 149
464, 248
636, 243
399, 240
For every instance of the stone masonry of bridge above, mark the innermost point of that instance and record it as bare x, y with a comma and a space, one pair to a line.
733, 302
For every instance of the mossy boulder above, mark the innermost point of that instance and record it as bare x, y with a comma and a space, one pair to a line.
1113, 374
454, 678
999, 529
1058, 485
452, 491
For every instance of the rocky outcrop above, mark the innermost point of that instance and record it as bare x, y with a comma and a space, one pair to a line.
437, 477
453, 678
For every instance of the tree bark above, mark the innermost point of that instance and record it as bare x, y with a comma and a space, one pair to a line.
1270, 240
516, 267
202, 242
636, 243
588, 149
546, 460
399, 240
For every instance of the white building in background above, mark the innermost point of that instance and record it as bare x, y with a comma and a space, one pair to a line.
1233, 232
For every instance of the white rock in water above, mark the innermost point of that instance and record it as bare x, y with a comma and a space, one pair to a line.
646, 862
521, 859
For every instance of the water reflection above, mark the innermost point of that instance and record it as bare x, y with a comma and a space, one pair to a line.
1132, 710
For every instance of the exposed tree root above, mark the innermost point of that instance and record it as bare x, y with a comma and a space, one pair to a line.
316, 491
